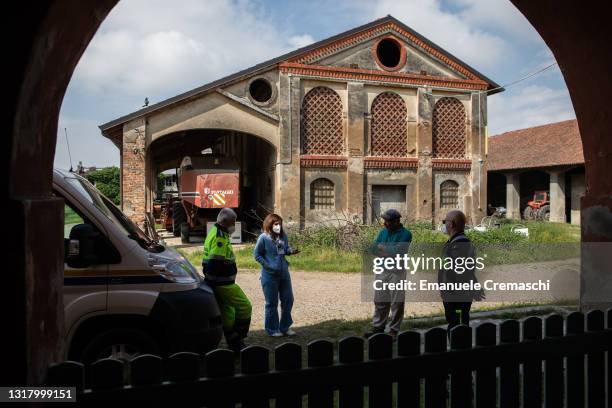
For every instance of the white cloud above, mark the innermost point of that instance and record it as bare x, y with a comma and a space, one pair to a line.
158, 49
528, 106
500, 16
299, 41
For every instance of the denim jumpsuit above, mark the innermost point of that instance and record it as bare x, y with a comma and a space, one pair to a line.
275, 281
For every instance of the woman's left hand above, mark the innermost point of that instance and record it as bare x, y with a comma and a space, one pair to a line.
295, 251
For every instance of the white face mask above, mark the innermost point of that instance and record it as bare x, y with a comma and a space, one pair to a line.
276, 228
231, 229
443, 228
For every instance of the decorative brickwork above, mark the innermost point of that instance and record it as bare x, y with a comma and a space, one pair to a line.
390, 163
388, 124
451, 164
322, 122
359, 74
448, 127
338, 162
343, 43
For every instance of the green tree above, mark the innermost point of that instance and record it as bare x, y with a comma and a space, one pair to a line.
107, 180
161, 183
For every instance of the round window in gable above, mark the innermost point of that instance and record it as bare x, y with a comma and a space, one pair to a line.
390, 54
260, 90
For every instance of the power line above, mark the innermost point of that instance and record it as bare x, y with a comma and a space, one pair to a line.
523, 79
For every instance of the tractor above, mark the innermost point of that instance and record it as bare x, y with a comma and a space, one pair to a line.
538, 208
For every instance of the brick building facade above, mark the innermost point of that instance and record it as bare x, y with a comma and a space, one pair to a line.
372, 118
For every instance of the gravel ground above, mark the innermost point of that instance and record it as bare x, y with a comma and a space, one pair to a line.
324, 296
321, 296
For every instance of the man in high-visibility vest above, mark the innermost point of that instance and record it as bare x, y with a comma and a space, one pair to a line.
219, 266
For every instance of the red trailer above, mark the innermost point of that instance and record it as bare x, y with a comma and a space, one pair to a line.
206, 184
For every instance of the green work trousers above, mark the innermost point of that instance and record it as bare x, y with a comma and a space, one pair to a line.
235, 311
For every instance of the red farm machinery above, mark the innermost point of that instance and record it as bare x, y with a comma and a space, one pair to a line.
205, 185
538, 208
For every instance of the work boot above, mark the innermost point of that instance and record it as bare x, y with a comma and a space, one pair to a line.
373, 331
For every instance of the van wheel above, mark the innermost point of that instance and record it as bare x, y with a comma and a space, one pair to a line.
121, 344
185, 230
178, 217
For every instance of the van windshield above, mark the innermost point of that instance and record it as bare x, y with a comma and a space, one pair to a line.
114, 214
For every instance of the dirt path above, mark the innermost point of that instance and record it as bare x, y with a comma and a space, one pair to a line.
323, 296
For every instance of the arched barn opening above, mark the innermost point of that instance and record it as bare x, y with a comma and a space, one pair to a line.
200, 160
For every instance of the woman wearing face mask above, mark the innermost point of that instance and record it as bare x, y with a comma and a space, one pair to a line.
270, 251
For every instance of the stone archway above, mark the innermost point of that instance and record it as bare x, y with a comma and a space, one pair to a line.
48, 40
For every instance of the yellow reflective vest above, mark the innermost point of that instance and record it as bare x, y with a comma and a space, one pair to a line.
219, 263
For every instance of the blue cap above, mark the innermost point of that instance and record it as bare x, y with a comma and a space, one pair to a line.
391, 215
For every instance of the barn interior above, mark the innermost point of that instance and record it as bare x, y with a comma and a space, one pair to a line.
256, 159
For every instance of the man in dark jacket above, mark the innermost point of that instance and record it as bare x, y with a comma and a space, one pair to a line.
457, 303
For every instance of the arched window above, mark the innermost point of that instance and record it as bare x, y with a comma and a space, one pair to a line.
389, 137
448, 129
322, 195
322, 122
449, 194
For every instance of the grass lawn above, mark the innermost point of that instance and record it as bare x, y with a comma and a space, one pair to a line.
321, 249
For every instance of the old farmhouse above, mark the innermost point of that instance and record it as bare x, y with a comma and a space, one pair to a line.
372, 118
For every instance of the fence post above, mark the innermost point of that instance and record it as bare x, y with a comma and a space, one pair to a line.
575, 363
146, 369
461, 377
435, 386
532, 368
350, 350
255, 360
509, 371
553, 366
107, 373
321, 354
486, 378
380, 394
66, 374
288, 357
219, 363
409, 387
183, 366
596, 372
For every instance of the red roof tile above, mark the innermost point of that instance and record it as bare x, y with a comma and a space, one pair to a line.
555, 144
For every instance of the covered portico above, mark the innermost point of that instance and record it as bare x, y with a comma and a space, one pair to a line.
542, 158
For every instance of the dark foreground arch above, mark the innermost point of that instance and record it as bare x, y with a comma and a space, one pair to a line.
46, 40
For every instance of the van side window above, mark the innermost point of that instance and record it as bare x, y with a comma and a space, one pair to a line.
71, 218
105, 251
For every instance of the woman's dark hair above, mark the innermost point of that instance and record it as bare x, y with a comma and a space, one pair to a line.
269, 222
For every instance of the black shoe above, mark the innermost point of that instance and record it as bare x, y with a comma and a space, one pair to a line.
373, 331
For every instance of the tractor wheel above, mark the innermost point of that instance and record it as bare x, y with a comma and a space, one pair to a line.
544, 213
185, 230
528, 213
178, 217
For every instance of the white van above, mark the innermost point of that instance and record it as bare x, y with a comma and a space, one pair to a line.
124, 293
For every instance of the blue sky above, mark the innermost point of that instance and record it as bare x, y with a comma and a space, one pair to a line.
159, 48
